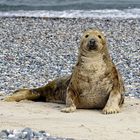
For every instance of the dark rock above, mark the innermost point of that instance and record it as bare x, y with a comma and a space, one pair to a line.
3, 135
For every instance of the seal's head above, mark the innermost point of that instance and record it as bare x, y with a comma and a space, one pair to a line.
93, 41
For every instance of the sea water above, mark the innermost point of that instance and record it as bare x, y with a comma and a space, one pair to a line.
70, 8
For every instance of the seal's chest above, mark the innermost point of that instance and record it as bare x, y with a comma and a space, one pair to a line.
92, 80
94, 89
91, 71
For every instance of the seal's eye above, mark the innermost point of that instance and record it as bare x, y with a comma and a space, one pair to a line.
86, 36
99, 36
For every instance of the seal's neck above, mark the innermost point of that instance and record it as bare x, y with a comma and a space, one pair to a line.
94, 58
90, 59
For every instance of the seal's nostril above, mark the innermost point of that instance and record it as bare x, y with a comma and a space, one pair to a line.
92, 42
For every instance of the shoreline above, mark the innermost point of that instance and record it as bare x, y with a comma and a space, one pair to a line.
73, 18
105, 13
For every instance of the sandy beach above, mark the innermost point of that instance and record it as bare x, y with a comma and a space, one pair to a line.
81, 125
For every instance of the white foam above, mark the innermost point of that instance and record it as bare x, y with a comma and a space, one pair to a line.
126, 13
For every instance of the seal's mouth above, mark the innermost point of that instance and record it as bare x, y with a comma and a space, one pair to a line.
92, 44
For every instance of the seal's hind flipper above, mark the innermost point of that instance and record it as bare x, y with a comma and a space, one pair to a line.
54, 91
21, 94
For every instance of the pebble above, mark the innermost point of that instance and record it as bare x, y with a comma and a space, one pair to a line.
11, 136
3, 135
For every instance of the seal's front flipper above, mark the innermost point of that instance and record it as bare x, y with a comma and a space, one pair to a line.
70, 102
21, 94
69, 109
112, 105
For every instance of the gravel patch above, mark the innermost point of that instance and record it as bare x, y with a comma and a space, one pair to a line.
36, 50
28, 134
